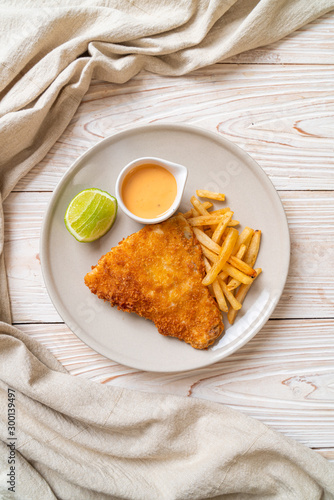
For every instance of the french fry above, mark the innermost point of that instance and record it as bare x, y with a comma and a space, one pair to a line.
241, 252
205, 204
223, 275
253, 249
203, 193
225, 233
224, 254
229, 257
233, 284
240, 297
207, 265
235, 304
225, 219
206, 241
217, 290
238, 275
232, 281
208, 231
243, 238
187, 215
205, 220
219, 296
213, 257
196, 213
233, 223
221, 211
250, 257
242, 266
198, 206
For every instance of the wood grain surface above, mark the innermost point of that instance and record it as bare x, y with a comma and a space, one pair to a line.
281, 115
276, 102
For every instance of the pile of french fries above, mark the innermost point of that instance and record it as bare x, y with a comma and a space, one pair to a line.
229, 257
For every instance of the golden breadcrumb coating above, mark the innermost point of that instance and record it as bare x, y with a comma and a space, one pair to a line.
157, 273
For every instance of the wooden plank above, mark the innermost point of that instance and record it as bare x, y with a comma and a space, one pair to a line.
309, 292
284, 376
310, 283
326, 453
281, 115
311, 44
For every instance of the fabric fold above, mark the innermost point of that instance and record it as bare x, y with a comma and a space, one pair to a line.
171, 38
78, 439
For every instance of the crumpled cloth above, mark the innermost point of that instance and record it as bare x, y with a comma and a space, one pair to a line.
77, 439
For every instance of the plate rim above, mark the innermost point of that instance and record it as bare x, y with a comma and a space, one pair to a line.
184, 127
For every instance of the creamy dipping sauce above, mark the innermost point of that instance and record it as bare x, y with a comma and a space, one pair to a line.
149, 190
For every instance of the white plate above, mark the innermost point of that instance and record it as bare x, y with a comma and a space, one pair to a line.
213, 163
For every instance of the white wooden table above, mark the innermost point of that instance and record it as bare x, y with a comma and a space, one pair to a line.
277, 103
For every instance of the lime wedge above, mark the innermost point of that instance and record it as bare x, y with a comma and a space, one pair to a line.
90, 214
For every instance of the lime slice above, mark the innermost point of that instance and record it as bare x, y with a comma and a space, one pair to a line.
90, 214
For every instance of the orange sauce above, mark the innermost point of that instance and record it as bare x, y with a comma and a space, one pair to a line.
149, 190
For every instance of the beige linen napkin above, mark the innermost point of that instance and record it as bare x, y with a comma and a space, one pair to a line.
76, 439
79, 440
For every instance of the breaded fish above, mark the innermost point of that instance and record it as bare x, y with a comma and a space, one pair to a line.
157, 273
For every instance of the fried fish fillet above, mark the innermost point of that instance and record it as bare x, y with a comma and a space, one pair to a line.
157, 273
